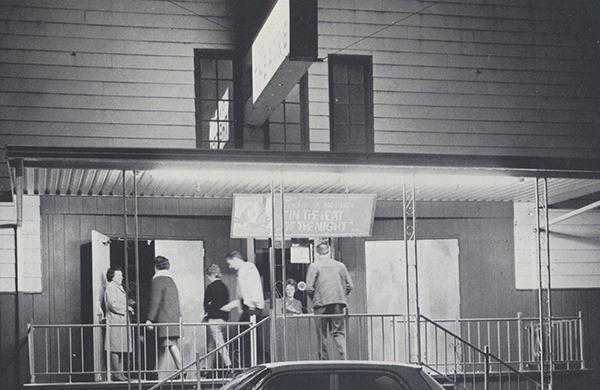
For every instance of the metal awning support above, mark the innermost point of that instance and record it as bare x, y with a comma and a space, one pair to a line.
574, 213
544, 283
412, 277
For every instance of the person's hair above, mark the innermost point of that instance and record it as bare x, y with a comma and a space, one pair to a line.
110, 274
161, 262
213, 270
291, 282
235, 255
322, 248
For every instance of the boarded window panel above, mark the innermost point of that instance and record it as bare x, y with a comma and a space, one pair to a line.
28, 251
8, 216
574, 249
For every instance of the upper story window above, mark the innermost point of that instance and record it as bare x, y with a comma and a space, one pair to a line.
287, 128
214, 87
351, 103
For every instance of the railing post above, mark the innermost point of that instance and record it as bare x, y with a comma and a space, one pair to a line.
198, 370
486, 373
107, 337
580, 319
253, 346
346, 321
181, 349
520, 339
30, 339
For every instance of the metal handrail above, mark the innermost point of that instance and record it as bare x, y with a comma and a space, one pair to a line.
485, 354
198, 360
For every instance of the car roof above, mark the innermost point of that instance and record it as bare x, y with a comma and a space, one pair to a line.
340, 364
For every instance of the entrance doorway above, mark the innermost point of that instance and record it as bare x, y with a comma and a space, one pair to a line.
187, 269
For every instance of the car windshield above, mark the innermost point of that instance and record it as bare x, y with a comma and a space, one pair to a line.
244, 378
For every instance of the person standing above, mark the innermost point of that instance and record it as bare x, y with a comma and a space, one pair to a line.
251, 299
117, 341
216, 296
164, 308
328, 283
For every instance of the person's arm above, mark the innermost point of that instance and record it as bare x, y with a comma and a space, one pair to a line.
349, 284
235, 304
113, 301
155, 299
311, 277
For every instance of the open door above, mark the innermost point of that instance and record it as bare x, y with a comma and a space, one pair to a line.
100, 264
439, 294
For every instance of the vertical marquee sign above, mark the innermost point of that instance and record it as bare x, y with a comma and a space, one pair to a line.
306, 215
281, 53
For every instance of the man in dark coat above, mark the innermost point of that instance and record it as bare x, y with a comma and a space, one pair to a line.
164, 308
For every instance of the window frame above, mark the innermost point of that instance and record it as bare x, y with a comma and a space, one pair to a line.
304, 118
217, 54
367, 64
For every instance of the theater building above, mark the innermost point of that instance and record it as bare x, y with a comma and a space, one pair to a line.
447, 150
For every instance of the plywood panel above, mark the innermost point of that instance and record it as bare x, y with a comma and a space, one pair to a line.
574, 250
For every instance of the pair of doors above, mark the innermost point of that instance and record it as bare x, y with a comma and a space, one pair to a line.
187, 269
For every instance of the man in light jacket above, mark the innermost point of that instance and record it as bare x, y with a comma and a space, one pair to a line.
328, 283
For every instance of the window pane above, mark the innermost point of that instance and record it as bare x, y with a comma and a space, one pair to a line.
340, 94
209, 110
225, 69
340, 74
341, 135
277, 115
355, 74
294, 95
277, 132
357, 94
225, 90
208, 69
340, 114
368, 381
357, 135
357, 115
292, 113
208, 89
299, 381
292, 134
225, 110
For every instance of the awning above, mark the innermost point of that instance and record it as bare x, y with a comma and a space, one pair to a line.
222, 173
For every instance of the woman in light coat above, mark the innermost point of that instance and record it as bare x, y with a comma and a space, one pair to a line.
118, 341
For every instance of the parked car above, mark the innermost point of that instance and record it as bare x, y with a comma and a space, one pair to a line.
333, 375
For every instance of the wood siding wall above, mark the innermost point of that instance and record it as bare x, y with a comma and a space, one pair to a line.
500, 77
484, 231
104, 73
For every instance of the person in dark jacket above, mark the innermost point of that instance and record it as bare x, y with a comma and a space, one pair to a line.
164, 308
215, 297
328, 283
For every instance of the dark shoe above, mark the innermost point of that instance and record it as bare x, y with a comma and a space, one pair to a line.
179, 376
229, 372
206, 374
